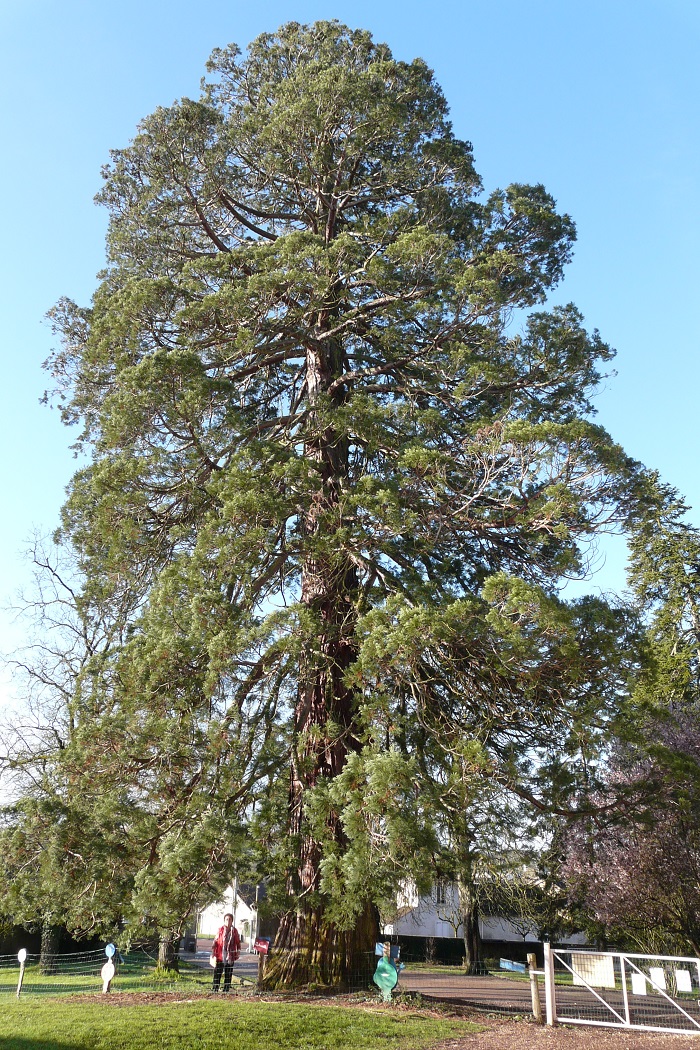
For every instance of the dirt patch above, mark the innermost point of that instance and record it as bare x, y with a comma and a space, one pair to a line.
141, 998
525, 1035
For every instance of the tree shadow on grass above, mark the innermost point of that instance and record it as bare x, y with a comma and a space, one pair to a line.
18, 1042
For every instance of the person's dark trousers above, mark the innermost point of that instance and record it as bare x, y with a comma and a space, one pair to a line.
228, 974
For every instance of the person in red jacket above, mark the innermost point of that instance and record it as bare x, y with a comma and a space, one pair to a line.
225, 950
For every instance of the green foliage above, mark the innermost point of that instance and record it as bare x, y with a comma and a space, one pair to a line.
332, 492
664, 574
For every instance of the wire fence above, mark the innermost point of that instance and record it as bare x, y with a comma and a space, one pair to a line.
137, 971
81, 972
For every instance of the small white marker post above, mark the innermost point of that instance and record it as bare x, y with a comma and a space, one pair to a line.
22, 958
107, 974
108, 970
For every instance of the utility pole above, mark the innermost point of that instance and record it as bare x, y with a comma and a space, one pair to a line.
255, 925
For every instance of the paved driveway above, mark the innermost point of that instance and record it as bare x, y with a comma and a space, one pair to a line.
505, 995
489, 993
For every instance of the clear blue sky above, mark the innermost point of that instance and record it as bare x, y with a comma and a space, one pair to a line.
597, 99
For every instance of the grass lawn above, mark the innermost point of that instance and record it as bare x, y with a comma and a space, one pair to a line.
210, 1024
458, 971
424, 967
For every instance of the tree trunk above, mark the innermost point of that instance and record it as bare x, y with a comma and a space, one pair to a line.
308, 948
50, 934
471, 934
309, 951
472, 943
168, 947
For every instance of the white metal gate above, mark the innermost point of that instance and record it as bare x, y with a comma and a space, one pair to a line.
657, 993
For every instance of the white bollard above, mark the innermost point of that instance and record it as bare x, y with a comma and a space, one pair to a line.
107, 975
108, 970
550, 1001
22, 958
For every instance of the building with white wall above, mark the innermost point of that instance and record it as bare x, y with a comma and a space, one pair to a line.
437, 915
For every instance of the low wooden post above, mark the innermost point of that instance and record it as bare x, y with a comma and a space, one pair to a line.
534, 989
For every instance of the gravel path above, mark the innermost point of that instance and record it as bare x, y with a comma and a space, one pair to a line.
519, 1035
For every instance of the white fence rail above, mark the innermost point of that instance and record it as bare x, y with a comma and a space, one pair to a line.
658, 993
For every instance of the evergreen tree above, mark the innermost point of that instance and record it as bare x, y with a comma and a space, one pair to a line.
62, 851
315, 441
123, 800
664, 575
499, 778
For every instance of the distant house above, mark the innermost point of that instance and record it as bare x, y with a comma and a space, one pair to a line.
437, 916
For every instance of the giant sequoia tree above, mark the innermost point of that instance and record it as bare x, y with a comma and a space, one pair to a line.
335, 481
